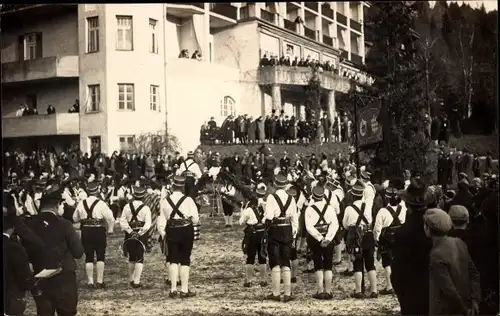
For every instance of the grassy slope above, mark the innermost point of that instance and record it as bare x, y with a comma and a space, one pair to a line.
217, 277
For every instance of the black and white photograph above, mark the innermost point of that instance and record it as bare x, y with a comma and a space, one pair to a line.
250, 158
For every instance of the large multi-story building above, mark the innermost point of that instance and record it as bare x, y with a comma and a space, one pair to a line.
121, 63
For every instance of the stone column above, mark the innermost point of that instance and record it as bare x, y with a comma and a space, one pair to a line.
276, 97
332, 110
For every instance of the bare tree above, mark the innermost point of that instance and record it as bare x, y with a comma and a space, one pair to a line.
158, 143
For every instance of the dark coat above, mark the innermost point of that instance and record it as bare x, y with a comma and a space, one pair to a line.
251, 130
410, 266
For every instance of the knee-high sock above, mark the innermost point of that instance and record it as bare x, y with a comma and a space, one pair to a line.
276, 280
226, 219
320, 281
387, 272
138, 272
350, 266
328, 276
100, 271
372, 278
249, 271
131, 270
295, 268
184, 274
338, 253
262, 271
173, 274
167, 271
357, 281
287, 280
230, 220
89, 268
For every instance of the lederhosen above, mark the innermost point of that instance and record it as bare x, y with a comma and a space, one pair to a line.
360, 241
252, 240
189, 186
280, 236
136, 250
93, 233
386, 239
302, 228
322, 257
227, 207
180, 235
339, 235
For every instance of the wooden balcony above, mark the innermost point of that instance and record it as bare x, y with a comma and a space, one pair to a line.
41, 125
40, 69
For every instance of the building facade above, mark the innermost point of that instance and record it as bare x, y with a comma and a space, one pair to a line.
120, 63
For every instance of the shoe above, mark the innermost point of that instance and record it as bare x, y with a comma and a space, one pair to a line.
309, 271
386, 292
136, 286
337, 263
100, 286
263, 283
358, 295
272, 297
373, 295
227, 225
319, 296
173, 294
294, 280
187, 294
348, 273
91, 286
328, 296
131, 283
247, 284
287, 298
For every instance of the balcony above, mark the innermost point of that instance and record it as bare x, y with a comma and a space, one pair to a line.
300, 76
224, 9
355, 25
312, 5
327, 11
267, 16
185, 10
310, 33
199, 5
327, 40
290, 25
41, 125
40, 69
343, 54
356, 59
342, 19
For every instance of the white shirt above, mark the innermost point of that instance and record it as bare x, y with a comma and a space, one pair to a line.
29, 204
272, 209
188, 209
228, 190
100, 211
311, 217
384, 219
369, 195
351, 216
189, 165
339, 192
301, 201
334, 203
248, 217
144, 215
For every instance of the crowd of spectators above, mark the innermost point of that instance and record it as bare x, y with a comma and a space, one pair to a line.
25, 110
185, 54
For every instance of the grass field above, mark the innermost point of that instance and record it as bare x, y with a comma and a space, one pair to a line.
217, 278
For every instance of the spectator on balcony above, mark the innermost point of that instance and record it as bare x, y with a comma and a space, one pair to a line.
212, 124
21, 111
265, 61
299, 20
302, 63
295, 62
196, 55
184, 53
75, 108
51, 109
260, 130
291, 130
274, 60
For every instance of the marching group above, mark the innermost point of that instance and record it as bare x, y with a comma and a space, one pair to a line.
409, 225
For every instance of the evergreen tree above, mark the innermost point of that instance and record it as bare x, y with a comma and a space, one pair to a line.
400, 80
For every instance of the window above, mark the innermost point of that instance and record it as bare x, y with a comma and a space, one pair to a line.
154, 101
127, 143
126, 96
94, 93
31, 46
93, 34
124, 34
227, 107
153, 46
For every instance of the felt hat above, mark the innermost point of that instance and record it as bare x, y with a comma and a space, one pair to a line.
458, 212
53, 192
179, 182
261, 190
438, 220
318, 192
138, 191
463, 175
416, 193
93, 188
365, 175
190, 154
357, 188
350, 179
280, 181
450, 194
292, 190
390, 192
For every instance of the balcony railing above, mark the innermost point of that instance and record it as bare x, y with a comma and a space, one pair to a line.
310, 33
312, 5
40, 68
342, 19
327, 40
41, 125
327, 11
357, 59
355, 25
225, 9
267, 16
300, 76
290, 25
199, 5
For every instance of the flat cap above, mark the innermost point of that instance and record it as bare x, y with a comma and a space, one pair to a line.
438, 220
458, 212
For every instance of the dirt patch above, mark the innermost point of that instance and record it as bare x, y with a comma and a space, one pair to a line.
217, 278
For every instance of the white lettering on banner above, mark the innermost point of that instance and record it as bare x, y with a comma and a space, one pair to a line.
269, 46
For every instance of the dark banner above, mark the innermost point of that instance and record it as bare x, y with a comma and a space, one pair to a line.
369, 128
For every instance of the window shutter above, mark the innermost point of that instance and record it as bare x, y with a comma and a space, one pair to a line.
20, 47
39, 45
